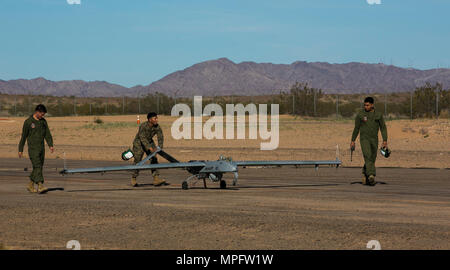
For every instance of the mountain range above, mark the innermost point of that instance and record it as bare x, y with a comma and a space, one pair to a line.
223, 77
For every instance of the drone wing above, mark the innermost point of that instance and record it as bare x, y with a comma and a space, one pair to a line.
315, 163
135, 167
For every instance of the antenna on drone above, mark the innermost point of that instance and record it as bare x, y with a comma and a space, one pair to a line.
337, 154
337, 151
64, 157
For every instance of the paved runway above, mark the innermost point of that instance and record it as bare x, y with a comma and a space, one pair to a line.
270, 208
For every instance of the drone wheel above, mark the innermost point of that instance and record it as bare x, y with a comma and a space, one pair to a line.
184, 185
223, 184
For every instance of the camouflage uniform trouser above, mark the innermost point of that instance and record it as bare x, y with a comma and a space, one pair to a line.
37, 157
138, 152
369, 149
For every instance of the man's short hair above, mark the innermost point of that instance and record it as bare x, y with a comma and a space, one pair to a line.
369, 99
41, 108
151, 114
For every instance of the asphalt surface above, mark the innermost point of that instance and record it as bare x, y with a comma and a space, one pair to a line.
270, 208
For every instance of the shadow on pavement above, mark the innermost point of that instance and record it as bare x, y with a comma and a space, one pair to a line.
52, 189
177, 187
376, 183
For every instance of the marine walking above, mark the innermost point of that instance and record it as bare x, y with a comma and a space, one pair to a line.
35, 130
367, 124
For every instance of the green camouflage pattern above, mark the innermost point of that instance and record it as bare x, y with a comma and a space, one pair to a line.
144, 141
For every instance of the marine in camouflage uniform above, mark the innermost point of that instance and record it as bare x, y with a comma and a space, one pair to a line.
34, 132
143, 144
367, 124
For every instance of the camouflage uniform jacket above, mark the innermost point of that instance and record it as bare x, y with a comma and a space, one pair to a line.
144, 137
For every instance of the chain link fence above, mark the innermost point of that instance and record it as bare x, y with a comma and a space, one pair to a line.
428, 101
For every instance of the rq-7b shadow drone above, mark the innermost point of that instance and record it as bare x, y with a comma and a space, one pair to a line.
202, 169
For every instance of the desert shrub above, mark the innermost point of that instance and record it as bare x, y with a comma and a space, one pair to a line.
98, 120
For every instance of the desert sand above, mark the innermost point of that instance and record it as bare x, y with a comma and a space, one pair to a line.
414, 143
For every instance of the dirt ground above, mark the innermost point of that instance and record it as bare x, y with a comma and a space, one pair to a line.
414, 144
279, 208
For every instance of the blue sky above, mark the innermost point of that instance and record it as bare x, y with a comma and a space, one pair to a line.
140, 41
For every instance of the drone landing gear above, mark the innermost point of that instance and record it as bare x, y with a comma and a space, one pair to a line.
184, 185
223, 183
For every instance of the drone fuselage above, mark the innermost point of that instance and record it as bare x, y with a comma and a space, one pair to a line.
214, 170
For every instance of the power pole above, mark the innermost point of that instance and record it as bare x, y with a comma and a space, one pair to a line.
293, 104
411, 105
337, 106
362, 99
437, 103
314, 103
139, 102
74, 106
123, 104
175, 96
157, 103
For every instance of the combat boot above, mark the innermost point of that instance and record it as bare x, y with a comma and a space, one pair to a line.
41, 188
134, 182
371, 180
31, 187
158, 181
364, 180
